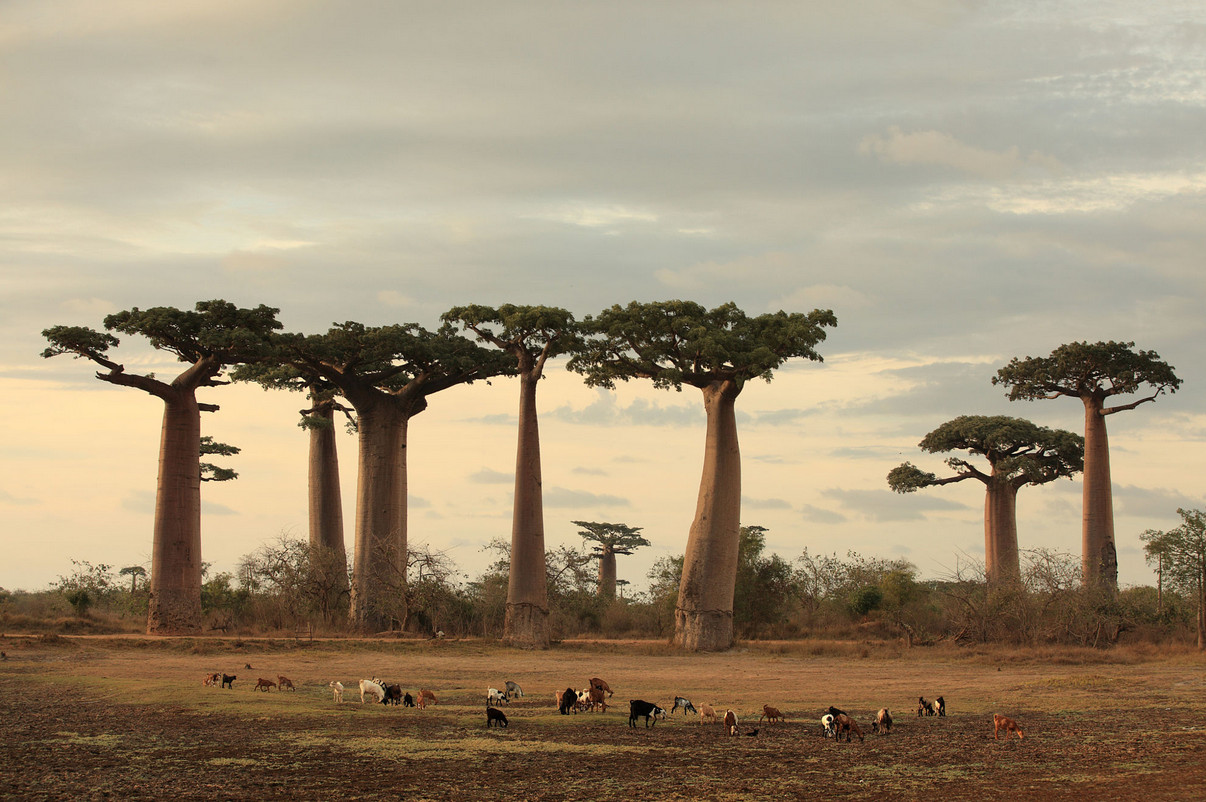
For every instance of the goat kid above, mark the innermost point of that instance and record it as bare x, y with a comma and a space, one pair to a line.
495, 696
1000, 722
684, 704
228, 681
771, 714
427, 697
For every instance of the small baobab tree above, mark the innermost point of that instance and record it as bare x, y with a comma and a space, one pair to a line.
607, 541
208, 339
673, 343
1018, 453
1093, 373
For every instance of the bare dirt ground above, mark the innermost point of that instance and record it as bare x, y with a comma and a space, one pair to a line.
129, 719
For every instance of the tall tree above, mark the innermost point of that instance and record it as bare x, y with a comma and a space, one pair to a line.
208, 339
1093, 373
609, 540
1018, 452
1182, 552
673, 343
386, 373
530, 335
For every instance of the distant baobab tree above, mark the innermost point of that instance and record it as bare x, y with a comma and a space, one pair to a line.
1018, 453
1093, 373
673, 343
609, 540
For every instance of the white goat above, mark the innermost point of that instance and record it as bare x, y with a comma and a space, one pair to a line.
370, 687
337, 689
494, 696
827, 726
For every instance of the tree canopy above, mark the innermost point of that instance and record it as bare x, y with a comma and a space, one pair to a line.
1082, 369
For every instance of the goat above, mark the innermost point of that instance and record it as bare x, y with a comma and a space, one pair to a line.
730, 723
651, 712
368, 686
264, 685
596, 700
336, 690
567, 701
883, 722
284, 682
828, 728
211, 679
595, 682
940, 703
684, 704
1000, 722
426, 696
833, 711
924, 708
228, 681
771, 714
847, 725
393, 695
513, 689
707, 714
494, 716
408, 700
494, 696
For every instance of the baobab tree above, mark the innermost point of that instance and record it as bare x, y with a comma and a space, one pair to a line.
529, 335
609, 540
208, 339
1093, 373
673, 343
1018, 453
386, 373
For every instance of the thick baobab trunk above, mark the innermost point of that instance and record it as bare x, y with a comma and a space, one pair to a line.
325, 497
379, 568
703, 618
1001, 563
175, 602
1099, 557
607, 574
527, 618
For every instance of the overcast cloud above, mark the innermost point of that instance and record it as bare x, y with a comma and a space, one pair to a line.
960, 182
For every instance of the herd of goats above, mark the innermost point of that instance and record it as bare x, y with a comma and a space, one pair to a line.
835, 723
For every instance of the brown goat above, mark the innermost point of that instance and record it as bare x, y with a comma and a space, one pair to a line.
212, 679
883, 722
707, 714
602, 685
596, 700
426, 696
1000, 722
771, 714
730, 723
845, 724
285, 682
264, 685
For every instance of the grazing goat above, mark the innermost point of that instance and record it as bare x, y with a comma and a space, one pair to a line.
833, 711
212, 679
494, 696
567, 701
1000, 722
495, 717
828, 729
684, 704
284, 682
264, 685
393, 695
941, 704
336, 690
228, 681
425, 697
595, 700
707, 714
883, 722
595, 682
771, 714
513, 689
408, 700
846, 725
924, 708
368, 686
639, 707
730, 723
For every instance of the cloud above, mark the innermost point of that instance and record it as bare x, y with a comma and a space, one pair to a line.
818, 515
589, 471
1159, 503
884, 506
394, 299
764, 503
937, 148
605, 410
562, 498
489, 476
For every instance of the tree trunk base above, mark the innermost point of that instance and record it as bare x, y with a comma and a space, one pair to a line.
703, 630
173, 614
526, 626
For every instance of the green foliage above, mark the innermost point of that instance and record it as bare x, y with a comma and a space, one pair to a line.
674, 343
211, 472
611, 538
866, 599
1083, 370
80, 600
766, 589
527, 333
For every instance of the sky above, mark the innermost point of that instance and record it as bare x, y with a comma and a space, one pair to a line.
961, 183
